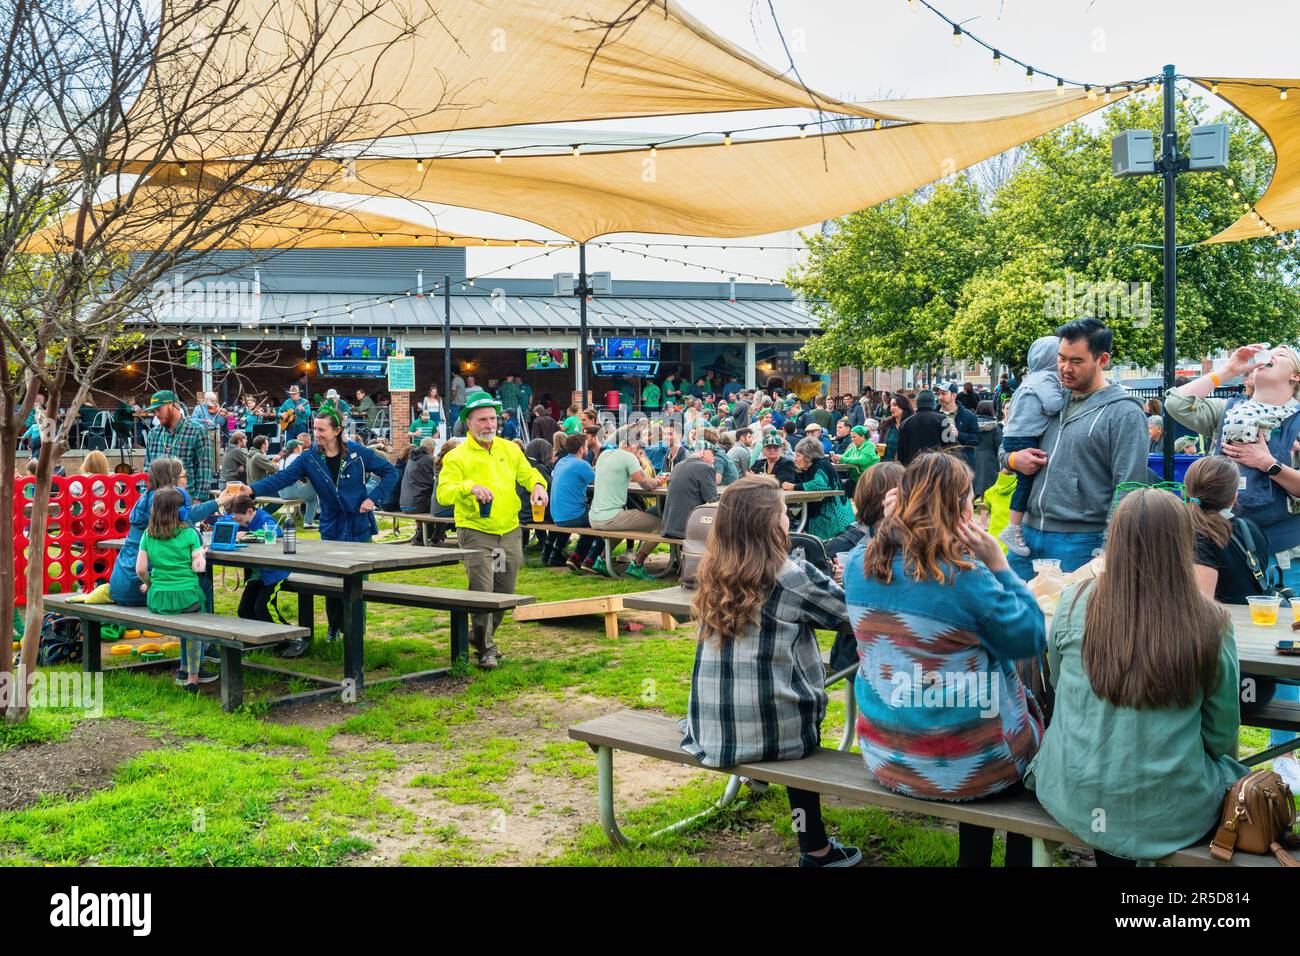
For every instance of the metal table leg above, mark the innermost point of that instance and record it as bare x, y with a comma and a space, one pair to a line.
354, 632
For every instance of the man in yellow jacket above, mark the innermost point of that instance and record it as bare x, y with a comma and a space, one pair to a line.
478, 478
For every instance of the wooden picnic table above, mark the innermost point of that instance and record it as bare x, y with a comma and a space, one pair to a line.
797, 501
352, 561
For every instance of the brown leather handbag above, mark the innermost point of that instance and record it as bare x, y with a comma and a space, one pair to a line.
1258, 814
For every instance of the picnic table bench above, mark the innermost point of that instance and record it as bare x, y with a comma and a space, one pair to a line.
839, 774
458, 602
232, 634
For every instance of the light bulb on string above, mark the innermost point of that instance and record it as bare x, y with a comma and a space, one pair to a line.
1214, 88
803, 132
956, 35
1092, 94
1029, 75
419, 165
1282, 95
1060, 86
726, 139
997, 60
577, 149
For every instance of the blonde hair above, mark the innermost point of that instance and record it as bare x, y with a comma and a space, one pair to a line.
95, 463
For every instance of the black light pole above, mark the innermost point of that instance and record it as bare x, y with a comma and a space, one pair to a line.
584, 383
446, 351
1169, 169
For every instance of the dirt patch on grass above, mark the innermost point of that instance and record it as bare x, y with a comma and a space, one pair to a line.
530, 814
83, 762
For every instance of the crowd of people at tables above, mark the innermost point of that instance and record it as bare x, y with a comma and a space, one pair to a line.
1144, 652
1138, 716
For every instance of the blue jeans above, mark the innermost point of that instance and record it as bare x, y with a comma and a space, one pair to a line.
588, 547
1072, 549
1024, 483
1286, 690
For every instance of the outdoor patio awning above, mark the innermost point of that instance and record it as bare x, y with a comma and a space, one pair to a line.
745, 189
166, 207
1261, 101
417, 66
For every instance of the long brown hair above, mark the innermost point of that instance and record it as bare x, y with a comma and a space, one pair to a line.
1150, 639
747, 546
925, 522
165, 514
1211, 485
869, 493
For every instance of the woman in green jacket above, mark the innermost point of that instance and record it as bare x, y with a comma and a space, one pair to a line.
859, 456
1138, 754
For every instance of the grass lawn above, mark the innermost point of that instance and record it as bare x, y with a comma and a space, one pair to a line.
474, 769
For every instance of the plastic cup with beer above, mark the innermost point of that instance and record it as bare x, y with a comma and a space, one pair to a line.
1295, 611
539, 512
1263, 609
234, 487
881, 449
485, 509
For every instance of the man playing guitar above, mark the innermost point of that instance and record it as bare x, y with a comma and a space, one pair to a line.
295, 413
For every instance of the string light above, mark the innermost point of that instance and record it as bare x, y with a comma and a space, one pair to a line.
496, 156
181, 169
419, 165
577, 149
1092, 94
958, 32
1282, 93
726, 139
1060, 86
803, 132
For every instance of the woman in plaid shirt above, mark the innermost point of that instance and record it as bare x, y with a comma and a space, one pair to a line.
757, 687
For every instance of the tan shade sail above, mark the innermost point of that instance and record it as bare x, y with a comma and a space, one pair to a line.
1262, 103
746, 189
420, 66
163, 214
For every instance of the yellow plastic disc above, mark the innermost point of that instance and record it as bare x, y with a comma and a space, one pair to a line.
120, 650
148, 648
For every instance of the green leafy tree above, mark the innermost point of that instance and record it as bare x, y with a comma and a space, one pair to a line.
889, 279
1061, 238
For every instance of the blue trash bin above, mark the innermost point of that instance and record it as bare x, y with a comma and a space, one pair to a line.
1181, 464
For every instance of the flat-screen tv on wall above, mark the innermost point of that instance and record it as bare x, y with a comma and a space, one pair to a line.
539, 360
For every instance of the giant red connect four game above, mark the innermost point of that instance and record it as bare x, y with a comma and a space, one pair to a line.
85, 510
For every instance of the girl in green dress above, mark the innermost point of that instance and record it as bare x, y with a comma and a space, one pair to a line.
169, 564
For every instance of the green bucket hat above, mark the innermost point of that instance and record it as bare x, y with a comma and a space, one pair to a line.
160, 399
481, 401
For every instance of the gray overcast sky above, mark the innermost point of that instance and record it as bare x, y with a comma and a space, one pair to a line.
861, 48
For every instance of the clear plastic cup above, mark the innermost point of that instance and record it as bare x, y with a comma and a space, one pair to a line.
1263, 609
1047, 566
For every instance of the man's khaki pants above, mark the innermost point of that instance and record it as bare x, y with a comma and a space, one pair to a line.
629, 519
494, 569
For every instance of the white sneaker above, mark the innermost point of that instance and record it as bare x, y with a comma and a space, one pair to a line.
1288, 768
1013, 536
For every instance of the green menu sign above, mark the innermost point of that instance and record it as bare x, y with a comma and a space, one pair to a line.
401, 373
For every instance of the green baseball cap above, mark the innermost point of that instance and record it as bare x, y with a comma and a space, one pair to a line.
480, 401
162, 398
772, 438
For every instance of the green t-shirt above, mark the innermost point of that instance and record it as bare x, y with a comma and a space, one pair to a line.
572, 425
614, 471
650, 395
424, 429
173, 583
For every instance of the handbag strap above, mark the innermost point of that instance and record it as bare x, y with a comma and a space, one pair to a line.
1243, 539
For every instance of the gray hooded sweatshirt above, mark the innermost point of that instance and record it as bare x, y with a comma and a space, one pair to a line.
1040, 396
1091, 449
